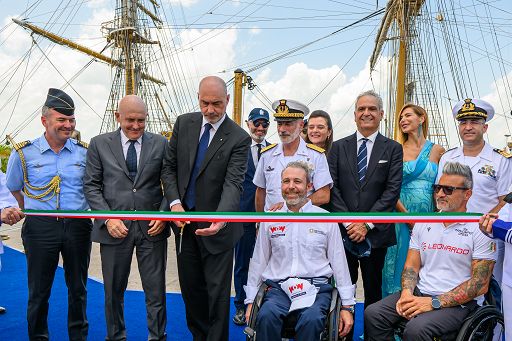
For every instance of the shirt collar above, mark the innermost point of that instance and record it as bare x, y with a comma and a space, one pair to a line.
254, 143
305, 208
44, 146
215, 125
125, 139
372, 137
486, 152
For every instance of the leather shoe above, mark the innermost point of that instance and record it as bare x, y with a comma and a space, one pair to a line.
239, 318
2, 310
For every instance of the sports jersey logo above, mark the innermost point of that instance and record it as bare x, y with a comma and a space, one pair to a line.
444, 247
295, 287
464, 232
277, 231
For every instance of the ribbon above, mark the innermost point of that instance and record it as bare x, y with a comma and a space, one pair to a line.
278, 217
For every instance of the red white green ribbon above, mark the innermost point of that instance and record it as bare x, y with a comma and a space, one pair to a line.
371, 217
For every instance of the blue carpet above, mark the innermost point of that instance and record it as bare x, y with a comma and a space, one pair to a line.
13, 296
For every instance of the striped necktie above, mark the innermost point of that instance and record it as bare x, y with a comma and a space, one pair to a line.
362, 160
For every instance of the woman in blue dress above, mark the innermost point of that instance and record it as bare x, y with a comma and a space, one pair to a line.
421, 158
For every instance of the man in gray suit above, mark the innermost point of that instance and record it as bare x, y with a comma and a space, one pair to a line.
123, 173
204, 168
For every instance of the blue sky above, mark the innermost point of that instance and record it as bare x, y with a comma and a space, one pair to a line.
215, 37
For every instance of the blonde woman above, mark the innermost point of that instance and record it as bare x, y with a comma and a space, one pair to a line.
421, 159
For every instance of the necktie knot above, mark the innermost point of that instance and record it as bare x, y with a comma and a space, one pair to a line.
207, 127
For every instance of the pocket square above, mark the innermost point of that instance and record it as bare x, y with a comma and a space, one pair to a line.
383, 161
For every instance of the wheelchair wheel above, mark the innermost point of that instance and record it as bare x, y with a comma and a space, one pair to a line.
249, 331
333, 317
486, 322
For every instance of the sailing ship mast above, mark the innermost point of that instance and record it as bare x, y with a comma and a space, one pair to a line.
408, 80
131, 45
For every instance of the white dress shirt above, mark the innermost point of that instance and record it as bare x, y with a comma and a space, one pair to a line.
254, 150
302, 250
125, 142
213, 129
369, 144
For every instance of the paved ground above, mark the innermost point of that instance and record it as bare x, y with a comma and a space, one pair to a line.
134, 283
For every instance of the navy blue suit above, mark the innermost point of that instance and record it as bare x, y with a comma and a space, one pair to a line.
245, 246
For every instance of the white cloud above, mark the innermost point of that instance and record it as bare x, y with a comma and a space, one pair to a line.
255, 30
184, 3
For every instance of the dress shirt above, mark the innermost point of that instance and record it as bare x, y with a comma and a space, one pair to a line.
302, 250
6, 198
254, 150
42, 165
125, 142
214, 128
369, 143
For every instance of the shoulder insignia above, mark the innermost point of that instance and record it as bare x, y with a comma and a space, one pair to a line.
82, 144
503, 153
270, 146
314, 147
21, 145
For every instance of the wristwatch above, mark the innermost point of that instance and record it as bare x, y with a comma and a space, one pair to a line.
349, 308
436, 303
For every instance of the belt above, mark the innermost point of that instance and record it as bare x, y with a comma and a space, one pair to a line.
312, 280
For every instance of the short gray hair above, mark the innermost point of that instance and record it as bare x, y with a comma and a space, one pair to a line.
456, 168
301, 165
372, 94
45, 111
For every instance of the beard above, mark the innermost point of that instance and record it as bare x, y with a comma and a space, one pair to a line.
289, 138
257, 138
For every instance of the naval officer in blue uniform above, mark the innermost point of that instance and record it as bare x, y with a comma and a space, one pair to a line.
47, 174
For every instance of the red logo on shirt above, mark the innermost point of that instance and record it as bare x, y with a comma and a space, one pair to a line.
274, 229
298, 286
444, 247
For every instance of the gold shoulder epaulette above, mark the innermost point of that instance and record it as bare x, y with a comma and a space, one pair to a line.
503, 153
315, 147
270, 146
20, 145
82, 144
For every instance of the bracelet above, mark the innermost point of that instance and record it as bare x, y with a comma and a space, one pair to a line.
349, 309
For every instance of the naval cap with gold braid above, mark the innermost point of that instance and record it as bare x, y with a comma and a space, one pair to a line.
473, 109
60, 101
289, 110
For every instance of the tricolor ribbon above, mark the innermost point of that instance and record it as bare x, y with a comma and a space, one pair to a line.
370, 217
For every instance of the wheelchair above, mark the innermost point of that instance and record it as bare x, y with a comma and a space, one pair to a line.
485, 323
330, 332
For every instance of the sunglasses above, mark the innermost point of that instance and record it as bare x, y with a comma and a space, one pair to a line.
264, 124
448, 190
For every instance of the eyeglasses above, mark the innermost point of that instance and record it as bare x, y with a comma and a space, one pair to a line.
264, 124
448, 190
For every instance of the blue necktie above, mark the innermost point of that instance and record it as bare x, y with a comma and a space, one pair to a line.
362, 161
131, 160
190, 195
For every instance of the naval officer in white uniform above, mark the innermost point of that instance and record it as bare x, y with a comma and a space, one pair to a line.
289, 115
491, 167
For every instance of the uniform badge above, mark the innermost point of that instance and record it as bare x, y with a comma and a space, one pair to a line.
269, 169
488, 170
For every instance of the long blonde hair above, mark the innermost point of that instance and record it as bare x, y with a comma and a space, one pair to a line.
421, 112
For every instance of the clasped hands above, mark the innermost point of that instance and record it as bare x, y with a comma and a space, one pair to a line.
357, 232
117, 229
213, 229
409, 306
11, 215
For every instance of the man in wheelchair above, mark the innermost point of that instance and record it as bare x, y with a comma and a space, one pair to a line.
296, 261
446, 273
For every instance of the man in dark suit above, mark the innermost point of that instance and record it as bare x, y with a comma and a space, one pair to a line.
204, 168
366, 168
257, 123
123, 174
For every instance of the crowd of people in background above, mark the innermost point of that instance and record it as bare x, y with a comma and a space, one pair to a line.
430, 275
